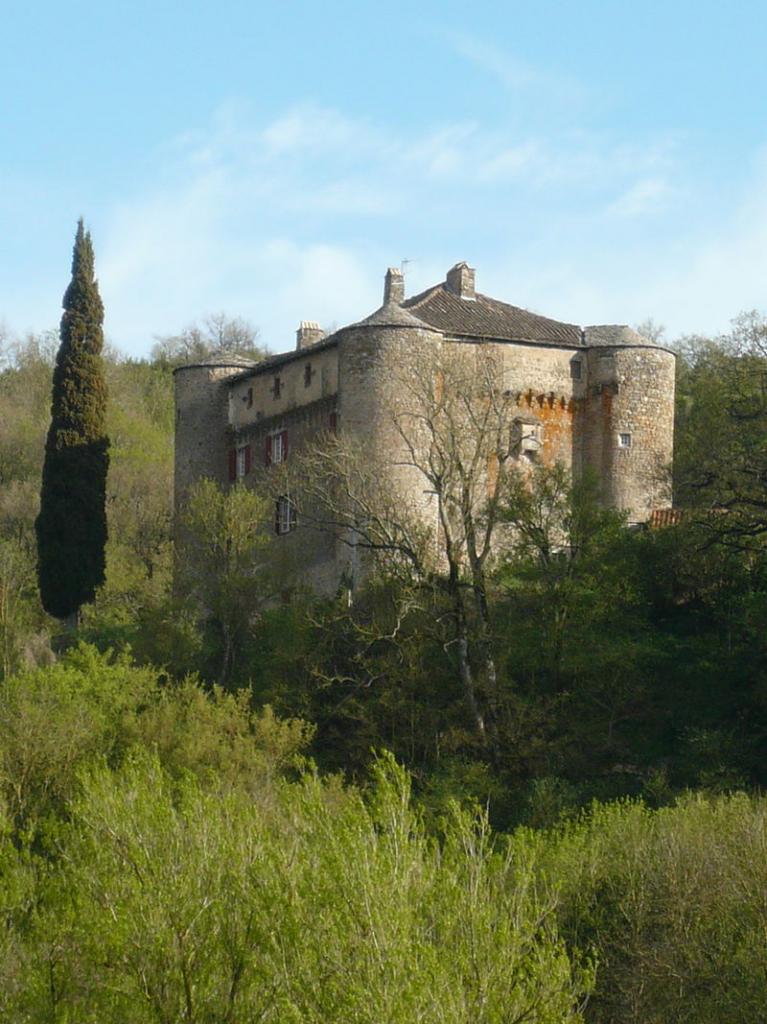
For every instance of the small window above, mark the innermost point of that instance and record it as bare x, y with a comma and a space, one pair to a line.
250, 398
277, 387
276, 448
526, 436
243, 461
624, 440
285, 518
308, 374
576, 369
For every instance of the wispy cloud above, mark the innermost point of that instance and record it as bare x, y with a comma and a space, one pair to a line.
515, 74
641, 198
298, 216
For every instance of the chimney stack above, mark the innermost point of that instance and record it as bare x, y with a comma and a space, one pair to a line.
460, 280
394, 289
309, 333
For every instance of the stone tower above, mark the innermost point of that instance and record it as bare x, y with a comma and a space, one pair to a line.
202, 418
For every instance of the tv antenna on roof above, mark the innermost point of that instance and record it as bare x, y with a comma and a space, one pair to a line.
405, 263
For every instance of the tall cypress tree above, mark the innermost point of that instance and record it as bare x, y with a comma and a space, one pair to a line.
72, 526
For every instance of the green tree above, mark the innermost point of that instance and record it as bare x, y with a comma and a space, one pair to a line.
224, 569
71, 526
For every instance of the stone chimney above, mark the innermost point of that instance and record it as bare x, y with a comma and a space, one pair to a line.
394, 289
309, 333
460, 281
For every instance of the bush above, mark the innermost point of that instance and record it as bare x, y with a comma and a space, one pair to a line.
672, 901
179, 903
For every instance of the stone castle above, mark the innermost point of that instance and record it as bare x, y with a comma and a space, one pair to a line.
599, 397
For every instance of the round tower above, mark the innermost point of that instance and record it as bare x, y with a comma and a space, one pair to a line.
375, 358
630, 419
375, 355
202, 418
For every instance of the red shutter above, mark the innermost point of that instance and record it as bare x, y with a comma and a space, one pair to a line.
232, 464
284, 445
268, 452
247, 459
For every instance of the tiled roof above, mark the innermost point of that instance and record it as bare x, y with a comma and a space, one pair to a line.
615, 334
390, 315
219, 358
483, 317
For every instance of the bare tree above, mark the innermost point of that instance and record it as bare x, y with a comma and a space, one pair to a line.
426, 505
216, 333
651, 330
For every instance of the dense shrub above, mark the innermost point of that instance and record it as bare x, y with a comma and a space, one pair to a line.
176, 902
673, 903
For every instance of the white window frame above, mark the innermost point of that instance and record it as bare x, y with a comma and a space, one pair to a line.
624, 439
285, 516
242, 461
277, 448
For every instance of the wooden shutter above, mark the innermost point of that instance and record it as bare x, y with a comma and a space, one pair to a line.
232, 464
247, 459
268, 452
284, 445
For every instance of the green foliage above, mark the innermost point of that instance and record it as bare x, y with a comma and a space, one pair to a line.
88, 707
177, 902
71, 525
225, 572
720, 451
672, 902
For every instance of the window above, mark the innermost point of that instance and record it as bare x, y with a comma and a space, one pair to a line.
277, 387
526, 438
250, 398
285, 518
624, 440
243, 461
576, 369
239, 462
276, 448
333, 422
308, 374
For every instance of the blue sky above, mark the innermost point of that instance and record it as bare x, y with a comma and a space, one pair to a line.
597, 162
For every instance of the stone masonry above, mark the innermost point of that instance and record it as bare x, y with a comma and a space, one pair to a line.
598, 398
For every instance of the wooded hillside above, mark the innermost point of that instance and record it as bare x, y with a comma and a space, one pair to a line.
221, 747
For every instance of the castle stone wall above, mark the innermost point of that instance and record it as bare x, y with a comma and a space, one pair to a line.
597, 398
202, 419
253, 397
629, 426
